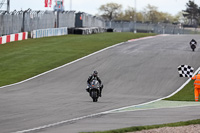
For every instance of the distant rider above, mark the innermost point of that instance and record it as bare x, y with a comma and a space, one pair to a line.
193, 42
91, 78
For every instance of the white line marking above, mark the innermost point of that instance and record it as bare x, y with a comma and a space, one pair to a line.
58, 123
179, 106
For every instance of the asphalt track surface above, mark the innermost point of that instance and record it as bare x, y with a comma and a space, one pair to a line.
133, 73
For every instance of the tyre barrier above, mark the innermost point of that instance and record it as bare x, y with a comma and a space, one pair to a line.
86, 31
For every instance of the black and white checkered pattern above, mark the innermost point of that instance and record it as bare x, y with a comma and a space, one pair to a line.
185, 71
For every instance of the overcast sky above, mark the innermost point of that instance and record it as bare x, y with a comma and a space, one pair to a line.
91, 6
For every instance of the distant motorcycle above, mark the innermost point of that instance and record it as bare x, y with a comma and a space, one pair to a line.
193, 44
94, 90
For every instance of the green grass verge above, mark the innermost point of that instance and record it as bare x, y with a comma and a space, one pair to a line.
186, 94
24, 59
140, 128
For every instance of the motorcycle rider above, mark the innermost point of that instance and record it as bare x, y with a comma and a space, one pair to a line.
92, 77
193, 44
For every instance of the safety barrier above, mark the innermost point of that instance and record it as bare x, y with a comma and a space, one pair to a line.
86, 31
49, 32
159, 28
13, 37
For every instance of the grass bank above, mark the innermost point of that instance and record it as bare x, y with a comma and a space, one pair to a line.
186, 94
24, 59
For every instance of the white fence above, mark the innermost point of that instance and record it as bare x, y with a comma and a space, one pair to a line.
49, 32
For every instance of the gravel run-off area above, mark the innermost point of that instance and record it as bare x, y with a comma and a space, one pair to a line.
181, 129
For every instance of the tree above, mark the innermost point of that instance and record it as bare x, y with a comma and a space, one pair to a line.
151, 13
192, 13
129, 14
166, 17
180, 18
110, 10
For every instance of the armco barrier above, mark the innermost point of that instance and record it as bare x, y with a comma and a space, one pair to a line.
49, 32
13, 37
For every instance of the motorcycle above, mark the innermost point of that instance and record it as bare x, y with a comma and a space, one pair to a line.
193, 46
94, 90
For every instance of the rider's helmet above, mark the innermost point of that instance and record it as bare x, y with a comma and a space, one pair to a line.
193, 40
95, 73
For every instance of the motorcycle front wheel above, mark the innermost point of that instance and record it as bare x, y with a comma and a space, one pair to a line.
95, 99
94, 95
193, 47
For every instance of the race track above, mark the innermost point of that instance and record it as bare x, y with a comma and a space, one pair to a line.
133, 73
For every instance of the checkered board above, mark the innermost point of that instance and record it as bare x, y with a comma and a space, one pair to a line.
185, 71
